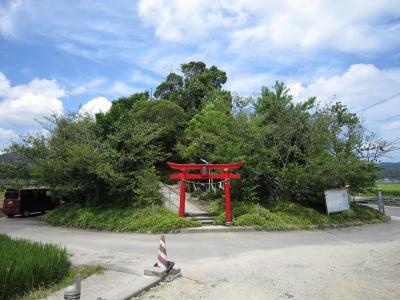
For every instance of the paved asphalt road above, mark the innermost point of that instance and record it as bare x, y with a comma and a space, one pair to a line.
360, 262
393, 211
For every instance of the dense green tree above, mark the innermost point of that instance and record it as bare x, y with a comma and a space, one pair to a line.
194, 88
80, 167
217, 135
119, 108
291, 150
311, 149
168, 118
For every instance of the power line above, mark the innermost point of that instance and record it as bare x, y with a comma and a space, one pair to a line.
379, 102
395, 117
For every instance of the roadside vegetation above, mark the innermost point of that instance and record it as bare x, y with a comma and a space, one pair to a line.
116, 160
150, 219
286, 215
43, 292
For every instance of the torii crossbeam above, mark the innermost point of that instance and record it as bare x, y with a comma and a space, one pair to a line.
225, 173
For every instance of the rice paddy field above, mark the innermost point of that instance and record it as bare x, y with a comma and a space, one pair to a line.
390, 190
26, 265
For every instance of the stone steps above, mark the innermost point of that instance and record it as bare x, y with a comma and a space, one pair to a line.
203, 218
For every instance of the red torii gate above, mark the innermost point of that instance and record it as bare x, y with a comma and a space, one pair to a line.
204, 173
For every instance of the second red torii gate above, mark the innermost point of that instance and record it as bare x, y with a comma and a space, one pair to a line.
204, 173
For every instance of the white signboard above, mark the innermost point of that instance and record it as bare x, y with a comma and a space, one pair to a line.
337, 200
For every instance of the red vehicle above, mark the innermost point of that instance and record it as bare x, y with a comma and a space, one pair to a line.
26, 201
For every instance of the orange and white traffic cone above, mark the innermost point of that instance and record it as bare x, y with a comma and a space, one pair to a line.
162, 261
163, 268
162, 254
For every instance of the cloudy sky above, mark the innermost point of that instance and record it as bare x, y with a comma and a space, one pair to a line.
59, 56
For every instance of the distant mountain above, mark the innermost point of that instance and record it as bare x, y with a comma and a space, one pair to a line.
9, 157
390, 165
390, 170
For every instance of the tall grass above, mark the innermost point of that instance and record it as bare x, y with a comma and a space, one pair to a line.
26, 265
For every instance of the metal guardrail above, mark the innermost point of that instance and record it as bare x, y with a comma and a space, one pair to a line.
23, 181
170, 188
390, 202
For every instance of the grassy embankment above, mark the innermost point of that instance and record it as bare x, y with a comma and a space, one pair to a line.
31, 270
390, 190
280, 216
286, 215
150, 219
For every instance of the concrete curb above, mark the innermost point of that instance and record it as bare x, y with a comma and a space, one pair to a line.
143, 289
220, 228
214, 229
112, 285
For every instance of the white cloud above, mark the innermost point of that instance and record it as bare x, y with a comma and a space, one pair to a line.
6, 136
113, 89
359, 86
7, 133
249, 84
120, 88
96, 105
92, 86
258, 27
140, 78
7, 19
187, 20
20, 105
392, 126
79, 90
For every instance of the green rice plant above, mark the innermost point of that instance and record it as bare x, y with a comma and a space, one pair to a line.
25, 265
391, 190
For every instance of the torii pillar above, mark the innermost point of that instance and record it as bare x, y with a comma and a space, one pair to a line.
224, 171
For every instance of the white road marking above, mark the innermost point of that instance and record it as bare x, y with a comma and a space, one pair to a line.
384, 205
395, 218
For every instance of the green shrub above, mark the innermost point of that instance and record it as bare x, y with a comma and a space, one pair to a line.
26, 265
155, 218
285, 215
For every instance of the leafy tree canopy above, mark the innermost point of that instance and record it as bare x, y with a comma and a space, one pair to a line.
193, 88
291, 150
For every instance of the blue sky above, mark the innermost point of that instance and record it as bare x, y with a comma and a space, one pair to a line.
60, 56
